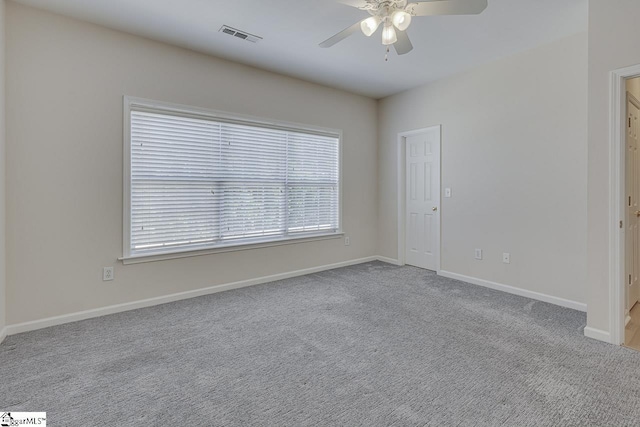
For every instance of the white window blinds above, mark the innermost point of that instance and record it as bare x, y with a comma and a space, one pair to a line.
198, 183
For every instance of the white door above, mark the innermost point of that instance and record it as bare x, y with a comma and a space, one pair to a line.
422, 216
632, 237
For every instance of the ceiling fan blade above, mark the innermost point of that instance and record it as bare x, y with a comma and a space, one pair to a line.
403, 45
341, 35
360, 4
447, 7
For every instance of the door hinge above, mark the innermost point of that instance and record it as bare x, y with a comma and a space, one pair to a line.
629, 279
620, 224
629, 121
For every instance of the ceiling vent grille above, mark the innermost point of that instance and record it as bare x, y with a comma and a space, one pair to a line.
239, 34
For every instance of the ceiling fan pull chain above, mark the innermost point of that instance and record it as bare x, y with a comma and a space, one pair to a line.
386, 55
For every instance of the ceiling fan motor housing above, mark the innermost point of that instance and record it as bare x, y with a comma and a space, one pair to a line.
384, 7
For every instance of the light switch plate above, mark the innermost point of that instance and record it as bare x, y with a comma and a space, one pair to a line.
447, 192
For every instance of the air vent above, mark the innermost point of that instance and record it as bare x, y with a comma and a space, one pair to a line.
240, 34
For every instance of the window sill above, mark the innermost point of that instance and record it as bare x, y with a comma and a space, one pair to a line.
137, 259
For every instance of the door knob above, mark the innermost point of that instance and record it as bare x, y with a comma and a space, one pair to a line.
435, 209
638, 213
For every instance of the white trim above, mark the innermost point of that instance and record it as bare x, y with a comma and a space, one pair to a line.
103, 311
617, 118
199, 112
597, 334
126, 176
118, 308
389, 260
401, 152
141, 104
515, 291
138, 259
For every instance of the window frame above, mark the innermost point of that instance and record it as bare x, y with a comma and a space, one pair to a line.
147, 105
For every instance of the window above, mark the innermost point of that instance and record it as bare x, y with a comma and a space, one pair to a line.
196, 180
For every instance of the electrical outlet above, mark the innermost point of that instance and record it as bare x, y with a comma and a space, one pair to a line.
347, 241
478, 254
107, 274
506, 258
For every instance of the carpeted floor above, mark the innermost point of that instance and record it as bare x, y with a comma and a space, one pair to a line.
368, 345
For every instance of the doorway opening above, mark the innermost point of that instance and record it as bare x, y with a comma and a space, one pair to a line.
419, 198
624, 205
632, 218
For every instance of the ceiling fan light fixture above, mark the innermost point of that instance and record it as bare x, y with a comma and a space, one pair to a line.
401, 19
370, 25
389, 35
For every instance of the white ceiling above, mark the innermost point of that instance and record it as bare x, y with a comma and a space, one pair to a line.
292, 30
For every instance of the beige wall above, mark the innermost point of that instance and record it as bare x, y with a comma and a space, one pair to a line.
614, 36
514, 155
2, 170
66, 80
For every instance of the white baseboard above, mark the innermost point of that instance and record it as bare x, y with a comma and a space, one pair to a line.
388, 260
516, 291
597, 334
103, 311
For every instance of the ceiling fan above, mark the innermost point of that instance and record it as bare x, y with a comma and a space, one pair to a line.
395, 17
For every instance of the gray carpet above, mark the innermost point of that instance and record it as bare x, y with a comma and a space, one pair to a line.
368, 345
